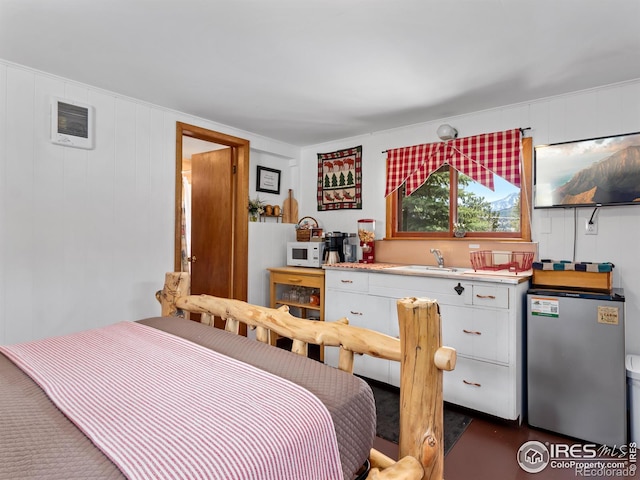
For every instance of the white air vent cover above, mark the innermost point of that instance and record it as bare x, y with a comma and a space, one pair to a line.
71, 123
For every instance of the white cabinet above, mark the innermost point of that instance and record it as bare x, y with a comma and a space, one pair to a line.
481, 318
350, 298
362, 310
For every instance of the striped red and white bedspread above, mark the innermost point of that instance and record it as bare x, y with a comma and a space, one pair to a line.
162, 407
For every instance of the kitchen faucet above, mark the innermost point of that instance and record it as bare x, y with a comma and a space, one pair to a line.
439, 258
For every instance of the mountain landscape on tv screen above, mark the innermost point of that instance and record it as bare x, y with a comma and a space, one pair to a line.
616, 179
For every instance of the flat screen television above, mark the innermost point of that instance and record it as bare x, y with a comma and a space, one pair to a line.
588, 173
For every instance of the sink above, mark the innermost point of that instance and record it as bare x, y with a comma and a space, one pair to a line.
427, 269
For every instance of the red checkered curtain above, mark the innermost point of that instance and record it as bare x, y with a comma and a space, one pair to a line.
478, 157
402, 162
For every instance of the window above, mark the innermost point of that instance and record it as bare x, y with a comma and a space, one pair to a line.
449, 197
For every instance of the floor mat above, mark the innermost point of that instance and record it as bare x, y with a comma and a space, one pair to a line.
388, 416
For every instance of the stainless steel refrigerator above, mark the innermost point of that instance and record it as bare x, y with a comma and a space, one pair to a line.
576, 377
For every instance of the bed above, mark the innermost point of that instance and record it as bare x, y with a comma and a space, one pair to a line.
39, 441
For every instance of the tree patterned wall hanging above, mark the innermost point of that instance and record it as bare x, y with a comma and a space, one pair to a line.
340, 179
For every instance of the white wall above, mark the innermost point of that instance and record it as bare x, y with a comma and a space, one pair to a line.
599, 112
87, 235
287, 176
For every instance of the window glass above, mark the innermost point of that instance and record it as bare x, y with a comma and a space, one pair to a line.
475, 208
483, 210
428, 208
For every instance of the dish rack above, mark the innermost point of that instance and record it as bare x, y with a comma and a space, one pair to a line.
492, 260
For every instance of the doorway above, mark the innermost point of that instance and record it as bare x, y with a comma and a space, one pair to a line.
217, 256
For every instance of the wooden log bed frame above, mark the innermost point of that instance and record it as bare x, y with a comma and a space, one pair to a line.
419, 350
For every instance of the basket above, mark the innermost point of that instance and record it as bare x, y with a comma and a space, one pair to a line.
492, 260
305, 228
303, 234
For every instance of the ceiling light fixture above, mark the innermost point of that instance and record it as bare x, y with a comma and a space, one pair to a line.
447, 132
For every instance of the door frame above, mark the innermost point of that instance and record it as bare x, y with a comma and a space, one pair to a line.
240, 157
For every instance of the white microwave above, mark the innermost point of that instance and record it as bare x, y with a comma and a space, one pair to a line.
305, 254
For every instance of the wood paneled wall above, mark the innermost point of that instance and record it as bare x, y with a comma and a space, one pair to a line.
85, 235
597, 112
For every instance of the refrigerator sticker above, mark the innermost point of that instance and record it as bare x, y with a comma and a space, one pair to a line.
545, 307
608, 315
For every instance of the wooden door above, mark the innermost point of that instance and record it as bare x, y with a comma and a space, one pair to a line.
226, 214
212, 213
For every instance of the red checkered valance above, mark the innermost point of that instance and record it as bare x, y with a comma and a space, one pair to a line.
479, 157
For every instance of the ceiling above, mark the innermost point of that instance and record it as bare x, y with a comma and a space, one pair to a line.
310, 71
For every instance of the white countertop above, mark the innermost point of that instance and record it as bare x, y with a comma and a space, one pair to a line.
462, 274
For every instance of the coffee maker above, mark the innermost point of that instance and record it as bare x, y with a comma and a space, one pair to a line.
333, 251
340, 247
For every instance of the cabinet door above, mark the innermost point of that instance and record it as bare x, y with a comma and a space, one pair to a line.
362, 311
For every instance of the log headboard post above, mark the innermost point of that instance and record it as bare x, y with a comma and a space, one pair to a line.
176, 284
421, 392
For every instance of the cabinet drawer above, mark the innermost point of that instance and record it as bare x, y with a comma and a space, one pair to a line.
297, 279
347, 280
476, 332
360, 309
487, 296
481, 386
399, 286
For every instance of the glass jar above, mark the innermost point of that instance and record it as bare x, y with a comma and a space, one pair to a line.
366, 230
367, 234
314, 298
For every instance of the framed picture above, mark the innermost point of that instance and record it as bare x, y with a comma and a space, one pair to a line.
340, 179
268, 180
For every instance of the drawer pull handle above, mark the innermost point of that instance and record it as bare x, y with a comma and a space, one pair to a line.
471, 332
295, 280
355, 313
490, 297
473, 384
346, 281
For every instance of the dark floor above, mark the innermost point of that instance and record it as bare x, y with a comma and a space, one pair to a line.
488, 450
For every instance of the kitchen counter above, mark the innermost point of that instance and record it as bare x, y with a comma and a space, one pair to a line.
481, 317
500, 276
